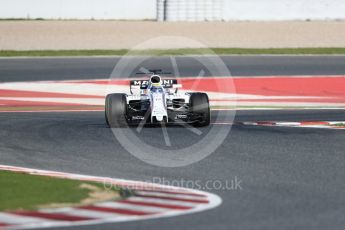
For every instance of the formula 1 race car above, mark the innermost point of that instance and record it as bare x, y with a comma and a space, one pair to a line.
156, 101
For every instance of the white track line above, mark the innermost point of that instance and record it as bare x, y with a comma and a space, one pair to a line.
85, 213
131, 207
301, 124
159, 194
161, 201
15, 219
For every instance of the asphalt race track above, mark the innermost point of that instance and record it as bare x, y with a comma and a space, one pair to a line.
32, 69
291, 178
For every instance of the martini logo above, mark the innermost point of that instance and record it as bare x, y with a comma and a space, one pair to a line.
167, 83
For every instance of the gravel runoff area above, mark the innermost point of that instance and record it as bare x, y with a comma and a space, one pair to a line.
58, 35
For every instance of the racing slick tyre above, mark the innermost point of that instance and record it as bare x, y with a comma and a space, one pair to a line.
200, 106
116, 110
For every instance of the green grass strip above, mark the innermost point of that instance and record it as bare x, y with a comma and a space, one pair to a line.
27, 192
158, 52
339, 124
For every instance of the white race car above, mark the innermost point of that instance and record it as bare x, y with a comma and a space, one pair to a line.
156, 101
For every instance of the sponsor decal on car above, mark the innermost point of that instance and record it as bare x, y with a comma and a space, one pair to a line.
181, 116
137, 118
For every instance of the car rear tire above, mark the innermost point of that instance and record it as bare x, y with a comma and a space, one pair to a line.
199, 105
116, 110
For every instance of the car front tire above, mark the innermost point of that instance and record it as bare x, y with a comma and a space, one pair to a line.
199, 105
116, 110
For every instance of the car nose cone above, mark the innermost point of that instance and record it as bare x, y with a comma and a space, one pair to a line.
159, 118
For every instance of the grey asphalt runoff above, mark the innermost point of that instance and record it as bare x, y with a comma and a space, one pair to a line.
290, 178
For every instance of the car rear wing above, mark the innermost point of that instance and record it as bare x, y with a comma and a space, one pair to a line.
143, 84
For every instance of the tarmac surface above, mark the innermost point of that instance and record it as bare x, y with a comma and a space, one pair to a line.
289, 178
